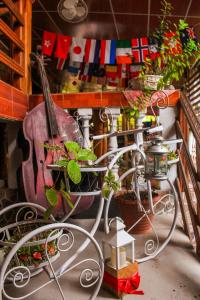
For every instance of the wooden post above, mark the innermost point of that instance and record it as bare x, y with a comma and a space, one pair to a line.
26, 34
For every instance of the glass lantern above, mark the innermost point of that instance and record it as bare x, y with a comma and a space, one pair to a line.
156, 165
118, 247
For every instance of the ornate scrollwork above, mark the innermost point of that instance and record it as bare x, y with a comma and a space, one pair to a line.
65, 241
165, 205
105, 115
89, 276
19, 275
159, 99
26, 213
150, 247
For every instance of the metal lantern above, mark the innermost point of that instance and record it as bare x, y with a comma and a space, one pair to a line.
156, 166
119, 244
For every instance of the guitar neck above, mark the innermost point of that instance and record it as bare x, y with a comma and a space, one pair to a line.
50, 111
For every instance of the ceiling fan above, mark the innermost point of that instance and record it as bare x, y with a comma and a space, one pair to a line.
72, 11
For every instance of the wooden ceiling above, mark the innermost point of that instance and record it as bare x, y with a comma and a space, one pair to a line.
133, 18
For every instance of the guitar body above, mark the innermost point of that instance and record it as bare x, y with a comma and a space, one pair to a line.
35, 172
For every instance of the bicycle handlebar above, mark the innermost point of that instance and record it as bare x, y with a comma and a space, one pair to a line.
128, 132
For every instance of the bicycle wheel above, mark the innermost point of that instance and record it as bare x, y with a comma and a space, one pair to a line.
161, 225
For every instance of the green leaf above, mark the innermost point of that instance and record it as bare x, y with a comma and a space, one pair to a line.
74, 172
72, 146
86, 154
52, 196
62, 185
67, 197
48, 212
62, 163
106, 191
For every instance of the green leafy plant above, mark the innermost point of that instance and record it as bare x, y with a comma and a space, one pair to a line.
110, 183
169, 63
72, 156
172, 155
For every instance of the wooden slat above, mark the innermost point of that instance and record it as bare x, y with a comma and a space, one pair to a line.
189, 202
5, 59
183, 211
192, 171
190, 89
14, 10
11, 35
195, 97
191, 117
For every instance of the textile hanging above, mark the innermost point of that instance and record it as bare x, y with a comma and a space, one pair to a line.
108, 52
77, 50
123, 52
48, 42
63, 46
92, 51
140, 49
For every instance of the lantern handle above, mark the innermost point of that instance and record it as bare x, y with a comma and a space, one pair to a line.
116, 218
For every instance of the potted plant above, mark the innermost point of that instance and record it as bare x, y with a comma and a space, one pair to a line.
71, 158
127, 203
33, 254
168, 59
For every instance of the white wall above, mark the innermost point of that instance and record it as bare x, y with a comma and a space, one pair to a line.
167, 119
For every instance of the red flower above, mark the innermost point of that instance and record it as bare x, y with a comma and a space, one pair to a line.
37, 255
52, 250
23, 257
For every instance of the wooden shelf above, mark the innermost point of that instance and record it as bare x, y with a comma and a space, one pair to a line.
15, 103
96, 100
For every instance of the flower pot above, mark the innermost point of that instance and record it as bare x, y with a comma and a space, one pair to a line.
151, 81
128, 207
32, 254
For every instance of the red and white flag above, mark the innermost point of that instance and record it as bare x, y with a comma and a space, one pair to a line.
108, 52
63, 46
92, 50
77, 50
48, 42
140, 49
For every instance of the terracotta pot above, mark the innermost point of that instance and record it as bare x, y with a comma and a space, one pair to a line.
127, 204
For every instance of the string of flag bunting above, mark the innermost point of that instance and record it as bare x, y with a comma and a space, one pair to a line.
98, 59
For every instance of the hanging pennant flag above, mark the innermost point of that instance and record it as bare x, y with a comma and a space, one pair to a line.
140, 49
124, 52
135, 71
86, 72
60, 64
74, 67
63, 46
99, 70
154, 48
77, 50
111, 71
92, 51
108, 52
123, 71
48, 42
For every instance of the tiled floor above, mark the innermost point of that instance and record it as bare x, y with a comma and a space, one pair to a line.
174, 274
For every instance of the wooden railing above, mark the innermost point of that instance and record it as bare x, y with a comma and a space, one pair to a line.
19, 34
188, 172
